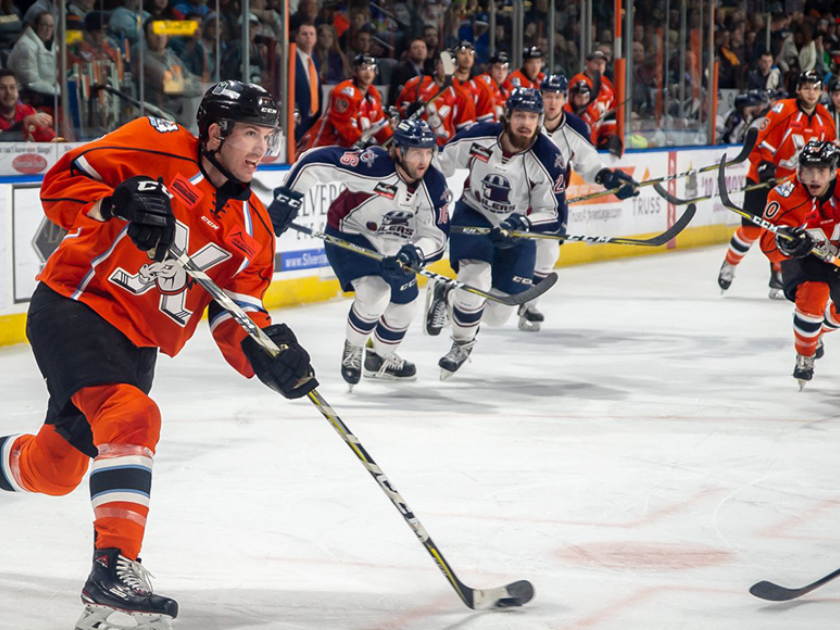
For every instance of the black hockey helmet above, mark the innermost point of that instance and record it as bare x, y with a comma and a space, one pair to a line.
532, 52
363, 59
579, 87
808, 78
819, 153
834, 83
499, 57
751, 98
231, 102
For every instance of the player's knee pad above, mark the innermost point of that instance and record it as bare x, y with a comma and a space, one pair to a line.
812, 298
496, 314
120, 414
476, 273
372, 296
548, 251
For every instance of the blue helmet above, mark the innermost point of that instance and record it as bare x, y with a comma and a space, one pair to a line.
524, 99
555, 83
414, 134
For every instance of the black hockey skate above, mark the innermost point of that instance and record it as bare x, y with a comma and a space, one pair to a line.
119, 585
436, 315
351, 364
776, 286
530, 318
819, 353
455, 358
391, 367
804, 370
727, 272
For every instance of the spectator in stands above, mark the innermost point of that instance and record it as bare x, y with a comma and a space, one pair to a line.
789, 55
258, 57
765, 76
11, 24
39, 6
209, 41
644, 78
430, 35
413, 67
190, 48
168, 84
126, 20
729, 72
307, 79
183, 8
34, 62
271, 24
95, 45
332, 64
19, 122
307, 13
160, 10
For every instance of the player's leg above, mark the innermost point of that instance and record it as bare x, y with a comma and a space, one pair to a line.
548, 252
45, 463
513, 272
381, 358
744, 237
467, 311
806, 283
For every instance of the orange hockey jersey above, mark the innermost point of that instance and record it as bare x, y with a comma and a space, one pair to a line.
226, 231
601, 104
517, 78
448, 114
481, 98
348, 115
790, 204
784, 131
486, 83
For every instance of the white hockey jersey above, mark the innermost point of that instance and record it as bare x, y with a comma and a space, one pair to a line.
377, 203
531, 182
572, 137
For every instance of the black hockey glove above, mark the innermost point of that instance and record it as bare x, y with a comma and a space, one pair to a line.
799, 247
415, 107
766, 171
284, 209
514, 223
408, 256
615, 178
289, 373
145, 204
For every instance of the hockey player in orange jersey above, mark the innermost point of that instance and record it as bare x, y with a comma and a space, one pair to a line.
530, 75
492, 81
786, 128
482, 99
354, 113
809, 209
110, 298
599, 112
448, 114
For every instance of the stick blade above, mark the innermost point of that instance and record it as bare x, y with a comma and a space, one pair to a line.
526, 296
513, 595
773, 592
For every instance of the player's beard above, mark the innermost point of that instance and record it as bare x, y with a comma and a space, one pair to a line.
518, 141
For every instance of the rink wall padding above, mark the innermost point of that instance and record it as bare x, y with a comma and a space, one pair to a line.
303, 274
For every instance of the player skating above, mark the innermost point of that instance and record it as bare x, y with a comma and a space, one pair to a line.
571, 134
516, 181
396, 204
809, 209
111, 297
787, 127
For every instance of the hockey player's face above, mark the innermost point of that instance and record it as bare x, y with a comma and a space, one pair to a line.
365, 74
815, 179
553, 102
244, 148
835, 99
499, 72
466, 59
415, 162
522, 127
532, 67
8, 93
809, 93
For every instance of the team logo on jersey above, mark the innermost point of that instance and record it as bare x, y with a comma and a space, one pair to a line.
341, 105
396, 223
495, 193
368, 157
785, 189
481, 153
161, 125
169, 277
385, 190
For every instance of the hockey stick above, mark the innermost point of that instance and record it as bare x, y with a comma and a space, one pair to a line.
775, 593
749, 145
681, 202
656, 241
817, 251
493, 295
513, 594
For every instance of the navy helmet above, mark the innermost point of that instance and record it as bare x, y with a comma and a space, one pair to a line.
819, 153
834, 83
525, 100
414, 134
555, 83
751, 98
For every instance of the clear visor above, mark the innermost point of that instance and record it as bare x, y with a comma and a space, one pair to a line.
254, 140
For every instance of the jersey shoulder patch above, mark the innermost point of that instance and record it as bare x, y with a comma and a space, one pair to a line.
784, 190
349, 90
778, 107
549, 155
161, 125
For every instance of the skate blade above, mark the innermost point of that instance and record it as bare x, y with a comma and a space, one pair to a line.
527, 326
99, 618
384, 377
445, 374
776, 294
802, 382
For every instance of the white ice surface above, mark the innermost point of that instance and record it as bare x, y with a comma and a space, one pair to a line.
643, 460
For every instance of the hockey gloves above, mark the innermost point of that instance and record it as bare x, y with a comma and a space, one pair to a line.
396, 266
615, 178
799, 247
289, 373
145, 204
514, 223
284, 209
766, 171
